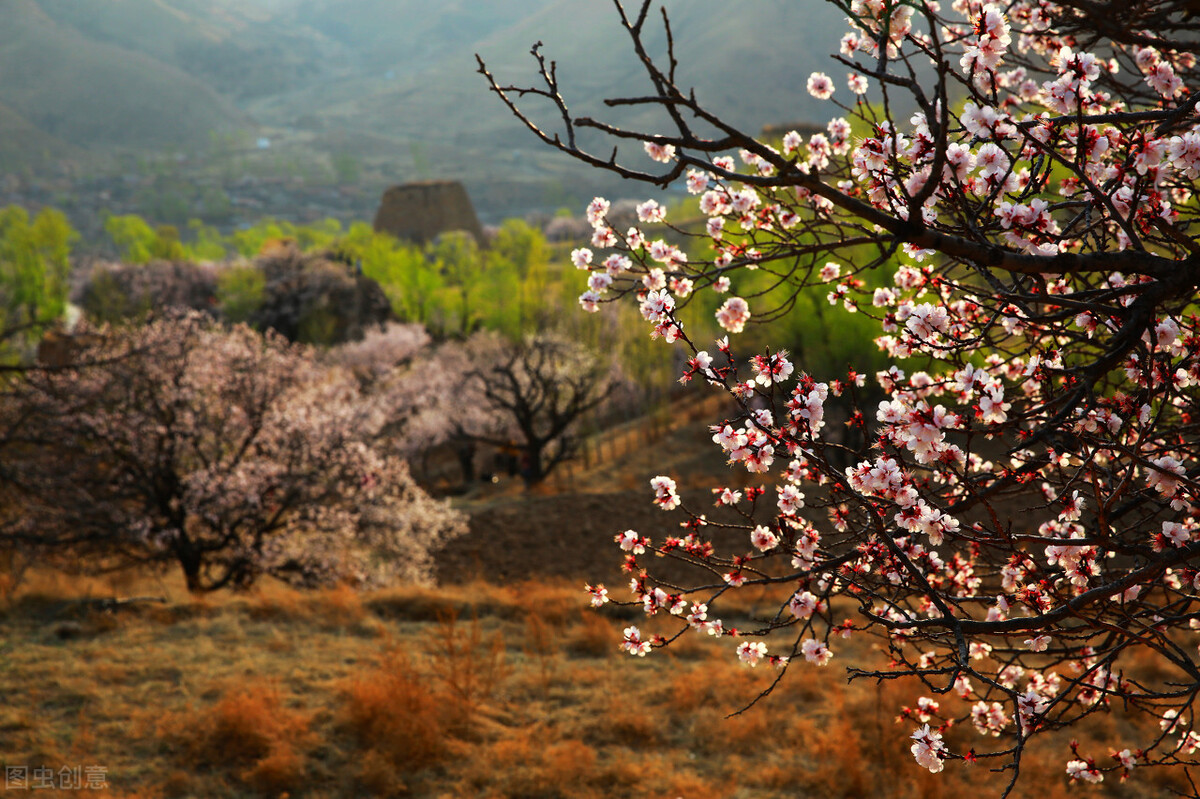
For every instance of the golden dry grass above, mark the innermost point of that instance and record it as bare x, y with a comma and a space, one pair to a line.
475, 690
249, 734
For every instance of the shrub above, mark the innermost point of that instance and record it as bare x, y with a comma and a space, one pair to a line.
249, 734
396, 718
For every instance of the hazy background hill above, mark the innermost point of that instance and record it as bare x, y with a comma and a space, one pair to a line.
91, 92
366, 92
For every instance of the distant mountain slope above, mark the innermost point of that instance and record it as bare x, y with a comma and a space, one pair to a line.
389, 81
752, 71
751, 67
96, 95
239, 49
407, 35
23, 145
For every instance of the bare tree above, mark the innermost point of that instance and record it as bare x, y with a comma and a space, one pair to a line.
527, 400
542, 388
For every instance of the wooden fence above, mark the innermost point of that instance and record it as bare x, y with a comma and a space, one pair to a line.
618, 441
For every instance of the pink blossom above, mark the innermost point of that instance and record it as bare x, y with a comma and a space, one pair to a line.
664, 492
596, 211
928, 749
1082, 770
763, 539
803, 604
663, 153
820, 86
631, 542
751, 652
633, 643
598, 593
816, 651
582, 258
650, 211
733, 314
1038, 643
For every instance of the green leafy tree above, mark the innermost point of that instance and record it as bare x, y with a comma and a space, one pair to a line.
139, 243
241, 291
251, 241
411, 283
457, 257
34, 263
517, 268
207, 243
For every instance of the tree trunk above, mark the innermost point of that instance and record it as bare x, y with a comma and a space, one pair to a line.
465, 450
190, 562
531, 465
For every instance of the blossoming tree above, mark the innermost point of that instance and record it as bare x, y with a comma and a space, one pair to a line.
229, 454
1008, 189
425, 391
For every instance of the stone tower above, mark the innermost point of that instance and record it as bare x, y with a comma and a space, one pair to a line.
419, 212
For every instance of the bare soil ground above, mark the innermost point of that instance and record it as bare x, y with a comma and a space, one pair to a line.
565, 528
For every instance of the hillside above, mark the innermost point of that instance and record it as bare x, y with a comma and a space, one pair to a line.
444, 122
751, 72
99, 96
238, 50
23, 145
404, 36
320, 78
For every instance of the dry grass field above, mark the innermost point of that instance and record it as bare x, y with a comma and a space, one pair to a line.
475, 690
501, 687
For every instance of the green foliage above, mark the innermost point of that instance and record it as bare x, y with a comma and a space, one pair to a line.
34, 264
500, 300
522, 245
132, 236
456, 257
800, 318
410, 282
453, 287
518, 271
241, 290
824, 341
138, 243
251, 241
517, 286
167, 246
207, 243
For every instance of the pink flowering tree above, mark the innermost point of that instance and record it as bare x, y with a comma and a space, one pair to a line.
1008, 190
224, 453
381, 351
425, 393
